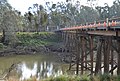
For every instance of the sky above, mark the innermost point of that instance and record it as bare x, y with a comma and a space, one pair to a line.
23, 5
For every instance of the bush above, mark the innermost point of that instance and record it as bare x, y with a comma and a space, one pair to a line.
37, 39
84, 78
116, 78
61, 78
105, 77
1, 46
68, 78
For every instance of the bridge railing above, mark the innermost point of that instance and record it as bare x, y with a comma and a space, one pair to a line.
113, 22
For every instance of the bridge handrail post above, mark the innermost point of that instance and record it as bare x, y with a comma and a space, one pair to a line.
95, 25
107, 23
86, 25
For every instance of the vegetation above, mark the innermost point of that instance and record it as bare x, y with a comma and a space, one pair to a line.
19, 29
37, 39
1, 46
79, 78
51, 16
8, 22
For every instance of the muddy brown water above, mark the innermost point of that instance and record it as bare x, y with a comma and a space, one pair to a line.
40, 66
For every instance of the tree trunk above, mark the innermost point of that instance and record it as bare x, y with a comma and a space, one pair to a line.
3, 38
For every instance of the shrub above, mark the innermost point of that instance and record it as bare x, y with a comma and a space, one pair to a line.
1, 46
84, 78
37, 39
105, 77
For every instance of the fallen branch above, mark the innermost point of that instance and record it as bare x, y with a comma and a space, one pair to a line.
6, 73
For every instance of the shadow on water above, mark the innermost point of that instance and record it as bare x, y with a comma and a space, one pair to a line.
33, 66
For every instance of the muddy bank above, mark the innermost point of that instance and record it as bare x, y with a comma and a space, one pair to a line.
33, 43
23, 50
56, 48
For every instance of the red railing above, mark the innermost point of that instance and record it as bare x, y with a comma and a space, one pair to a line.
114, 22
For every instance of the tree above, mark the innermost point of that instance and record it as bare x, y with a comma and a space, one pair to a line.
63, 14
38, 17
88, 14
104, 12
115, 9
7, 22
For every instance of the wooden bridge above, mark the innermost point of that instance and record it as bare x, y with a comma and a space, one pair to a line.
94, 47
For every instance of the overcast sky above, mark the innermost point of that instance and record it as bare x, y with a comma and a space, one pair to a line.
23, 5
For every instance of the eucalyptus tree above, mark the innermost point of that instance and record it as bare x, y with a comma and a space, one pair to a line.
38, 17
104, 12
8, 22
28, 24
88, 14
59, 16
71, 12
20, 21
115, 9
63, 13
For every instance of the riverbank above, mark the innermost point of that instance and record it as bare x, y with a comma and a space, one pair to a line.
104, 77
43, 43
32, 43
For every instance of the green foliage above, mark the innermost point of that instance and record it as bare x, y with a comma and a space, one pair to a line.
84, 78
105, 77
8, 22
1, 46
37, 39
116, 78
68, 78
61, 78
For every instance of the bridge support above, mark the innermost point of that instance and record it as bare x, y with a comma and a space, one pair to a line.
93, 54
98, 56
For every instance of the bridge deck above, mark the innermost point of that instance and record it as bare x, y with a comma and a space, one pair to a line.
108, 29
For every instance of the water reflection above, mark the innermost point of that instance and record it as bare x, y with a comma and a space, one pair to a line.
39, 70
39, 66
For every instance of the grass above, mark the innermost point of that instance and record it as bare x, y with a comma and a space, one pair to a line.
60, 78
103, 77
37, 39
77, 78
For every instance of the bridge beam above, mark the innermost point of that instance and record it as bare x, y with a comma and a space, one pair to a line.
104, 33
77, 52
91, 53
99, 56
106, 52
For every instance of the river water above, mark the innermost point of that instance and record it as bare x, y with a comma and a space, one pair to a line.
39, 66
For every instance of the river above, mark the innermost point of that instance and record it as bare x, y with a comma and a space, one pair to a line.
39, 66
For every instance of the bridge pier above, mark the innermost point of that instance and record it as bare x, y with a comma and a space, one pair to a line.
98, 56
91, 53
107, 45
77, 42
95, 54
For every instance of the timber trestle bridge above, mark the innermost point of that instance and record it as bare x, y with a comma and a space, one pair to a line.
94, 47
